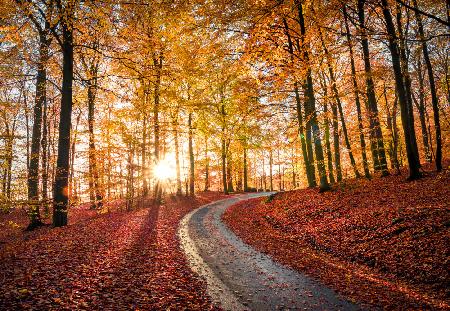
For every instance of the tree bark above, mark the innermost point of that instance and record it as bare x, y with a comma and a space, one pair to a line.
40, 99
60, 192
421, 108
434, 97
414, 166
376, 136
158, 62
94, 187
310, 103
191, 158
309, 167
362, 140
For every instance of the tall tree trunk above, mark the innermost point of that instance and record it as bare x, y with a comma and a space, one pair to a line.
414, 166
177, 155
434, 97
310, 106
421, 108
45, 155
271, 169
357, 100
376, 136
157, 61
339, 105
406, 79
60, 190
391, 124
229, 169
191, 158
327, 132
224, 151
309, 166
94, 187
40, 99
206, 165
328, 144
144, 146
245, 168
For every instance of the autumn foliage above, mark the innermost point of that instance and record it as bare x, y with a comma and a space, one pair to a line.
382, 242
121, 260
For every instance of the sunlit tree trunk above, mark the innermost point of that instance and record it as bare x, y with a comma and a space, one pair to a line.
94, 187
414, 165
309, 167
339, 105
362, 140
310, 109
245, 168
158, 62
328, 144
271, 169
206, 165
376, 137
229, 168
434, 97
406, 79
177, 155
191, 158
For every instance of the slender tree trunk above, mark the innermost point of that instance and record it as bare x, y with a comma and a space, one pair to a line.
328, 144
206, 165
60, 195
224, 151
45, 155
376, 137
73, 195
406, 80
402, 95
94, 187
421, 108
310, 109
229, 169
309, 167
327, 133
434, 97
391, 121
40, 99
271, 169
157, 61
357, 100
339, 105
245, 168
191, 158
177, 156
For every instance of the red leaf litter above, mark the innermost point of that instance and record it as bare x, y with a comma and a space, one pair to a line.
382, 242
114, 261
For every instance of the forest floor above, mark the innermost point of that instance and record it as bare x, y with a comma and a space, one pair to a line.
383, 242
113, 261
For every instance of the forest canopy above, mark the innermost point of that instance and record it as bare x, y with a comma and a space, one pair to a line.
107, 100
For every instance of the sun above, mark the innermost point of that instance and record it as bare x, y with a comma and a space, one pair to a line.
164, 170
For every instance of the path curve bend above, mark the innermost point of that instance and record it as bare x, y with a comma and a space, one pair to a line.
241, 278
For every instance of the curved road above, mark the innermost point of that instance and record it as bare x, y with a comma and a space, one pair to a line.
241, 278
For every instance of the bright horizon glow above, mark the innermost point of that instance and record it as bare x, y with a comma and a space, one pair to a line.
165, 170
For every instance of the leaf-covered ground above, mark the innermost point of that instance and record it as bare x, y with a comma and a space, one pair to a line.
383, 242
116, 261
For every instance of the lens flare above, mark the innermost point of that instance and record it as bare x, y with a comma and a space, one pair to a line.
164, 170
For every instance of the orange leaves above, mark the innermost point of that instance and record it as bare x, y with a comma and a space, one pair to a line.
383, 242
118, 260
